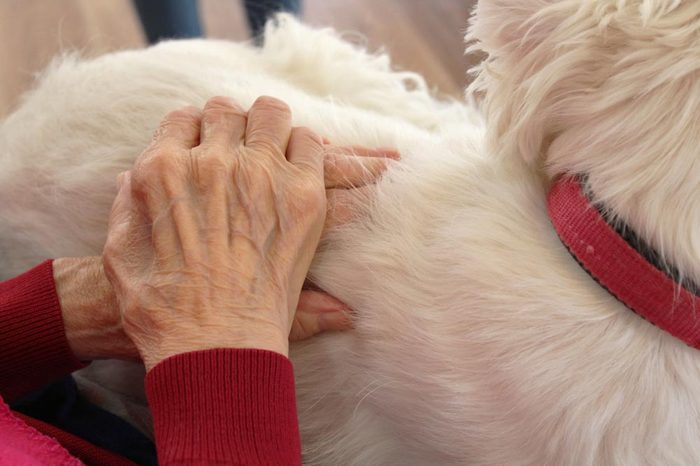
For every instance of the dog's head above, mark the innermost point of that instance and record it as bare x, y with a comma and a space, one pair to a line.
564, 75
610, 88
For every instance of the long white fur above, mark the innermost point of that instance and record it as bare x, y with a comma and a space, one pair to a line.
479, 340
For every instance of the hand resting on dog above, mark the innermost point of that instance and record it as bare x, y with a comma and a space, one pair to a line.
213, 231
210, 241
90, 314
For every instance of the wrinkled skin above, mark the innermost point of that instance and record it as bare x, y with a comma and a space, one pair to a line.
213, 230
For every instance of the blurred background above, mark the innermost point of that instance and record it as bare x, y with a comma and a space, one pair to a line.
421, 35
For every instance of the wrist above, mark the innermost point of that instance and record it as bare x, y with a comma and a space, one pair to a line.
89, 308
189, 342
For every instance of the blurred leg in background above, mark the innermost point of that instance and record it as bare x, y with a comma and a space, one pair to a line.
169, 19
179, 19
258, 11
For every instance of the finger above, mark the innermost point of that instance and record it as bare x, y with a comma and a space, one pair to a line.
160, 193
223, 123
319, 312
121, 206
361, 151
126, 226
306, 151
179, 128
347, 205
341, 171
178, 132
269, 126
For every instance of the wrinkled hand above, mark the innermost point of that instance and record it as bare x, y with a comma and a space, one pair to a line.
212, 233
91, 316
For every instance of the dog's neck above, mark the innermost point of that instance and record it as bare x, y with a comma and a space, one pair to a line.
646, 176
622, 262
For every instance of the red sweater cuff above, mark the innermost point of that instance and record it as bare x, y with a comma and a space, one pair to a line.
33, 345
226, 406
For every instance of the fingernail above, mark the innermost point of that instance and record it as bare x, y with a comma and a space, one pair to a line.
338, 320
390, 153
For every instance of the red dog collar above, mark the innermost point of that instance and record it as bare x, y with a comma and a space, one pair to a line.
620, 262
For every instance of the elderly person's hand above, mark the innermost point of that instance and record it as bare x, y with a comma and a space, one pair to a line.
91, 316
213, 231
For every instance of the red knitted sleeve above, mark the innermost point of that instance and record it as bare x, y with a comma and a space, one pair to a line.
33, 346
225, 406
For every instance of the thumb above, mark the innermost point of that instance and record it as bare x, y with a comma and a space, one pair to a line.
318, 312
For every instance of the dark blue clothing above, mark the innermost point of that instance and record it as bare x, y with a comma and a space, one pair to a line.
60, 404
169, 19
179, 19
258, 11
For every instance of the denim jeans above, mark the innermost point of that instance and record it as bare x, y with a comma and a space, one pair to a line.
177, 19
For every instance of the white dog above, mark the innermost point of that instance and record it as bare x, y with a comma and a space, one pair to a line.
479, 338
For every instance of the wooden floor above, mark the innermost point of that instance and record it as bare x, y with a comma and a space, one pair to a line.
421, 35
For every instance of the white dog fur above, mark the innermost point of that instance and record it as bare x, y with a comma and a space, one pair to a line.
479, 339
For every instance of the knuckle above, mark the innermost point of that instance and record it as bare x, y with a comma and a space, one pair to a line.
218, 115
219, 110
187, 115
208, 164
221, 105
308, 133
150, 171
265, 146
272, 104
176, 121
213, 115
160, 161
